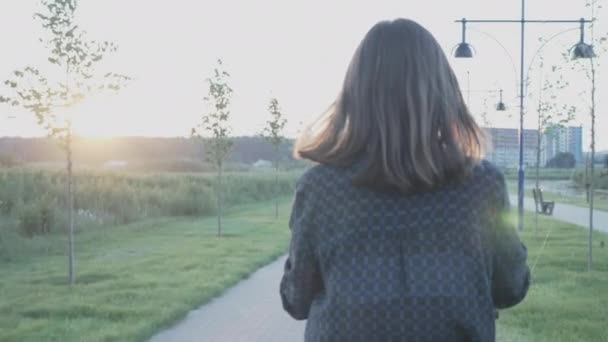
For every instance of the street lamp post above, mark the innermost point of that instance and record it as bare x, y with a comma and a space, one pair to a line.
580, 50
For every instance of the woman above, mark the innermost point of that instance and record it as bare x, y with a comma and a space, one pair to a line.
399, 233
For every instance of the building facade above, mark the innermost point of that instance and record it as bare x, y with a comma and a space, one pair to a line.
563, 139
504, 149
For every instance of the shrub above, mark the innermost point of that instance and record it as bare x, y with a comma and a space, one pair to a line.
37, 218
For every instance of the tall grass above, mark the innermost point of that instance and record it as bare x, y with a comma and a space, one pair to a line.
32, 202
600, 181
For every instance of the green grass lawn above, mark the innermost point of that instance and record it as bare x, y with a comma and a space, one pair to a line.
599, 203
545, 173
565, 302
134, 280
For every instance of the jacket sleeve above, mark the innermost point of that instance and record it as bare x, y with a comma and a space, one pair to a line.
301, 279
511, 275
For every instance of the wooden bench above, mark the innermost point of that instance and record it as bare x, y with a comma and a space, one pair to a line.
542, 206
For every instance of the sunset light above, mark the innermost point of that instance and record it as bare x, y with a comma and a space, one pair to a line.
303, 171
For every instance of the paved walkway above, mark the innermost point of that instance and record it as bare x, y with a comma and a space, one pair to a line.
251, 311
571, 214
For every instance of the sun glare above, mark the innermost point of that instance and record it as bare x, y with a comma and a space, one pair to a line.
90, 125
88, 121
96, 118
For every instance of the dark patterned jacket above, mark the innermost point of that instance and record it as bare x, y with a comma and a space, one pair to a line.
382, 266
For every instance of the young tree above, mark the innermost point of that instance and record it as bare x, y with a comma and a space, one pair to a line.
273, 133
71, 77
589, 68
592, 79
215, 127
484, 115
551, 113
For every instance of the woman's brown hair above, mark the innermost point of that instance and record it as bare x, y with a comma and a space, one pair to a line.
400, 114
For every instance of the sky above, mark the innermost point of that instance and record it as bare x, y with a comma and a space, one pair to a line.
296, 51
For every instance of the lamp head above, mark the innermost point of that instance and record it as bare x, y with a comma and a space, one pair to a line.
463, 50
582, 50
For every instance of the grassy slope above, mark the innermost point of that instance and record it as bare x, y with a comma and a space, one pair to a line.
134, 280
565, 303
599, 203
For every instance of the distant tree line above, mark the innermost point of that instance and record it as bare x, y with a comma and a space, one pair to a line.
246, 150
562, 160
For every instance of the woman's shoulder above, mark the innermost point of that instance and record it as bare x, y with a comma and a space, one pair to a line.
487, 170
328, 178
488, 179
320, 173
323, 176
